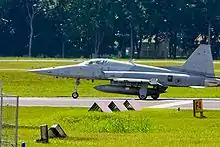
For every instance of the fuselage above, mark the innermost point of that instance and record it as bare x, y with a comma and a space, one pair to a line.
105, 69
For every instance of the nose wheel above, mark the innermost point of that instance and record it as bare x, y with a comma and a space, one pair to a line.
75, 94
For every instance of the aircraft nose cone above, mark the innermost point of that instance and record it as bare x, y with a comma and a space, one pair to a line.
34, 70
40, 71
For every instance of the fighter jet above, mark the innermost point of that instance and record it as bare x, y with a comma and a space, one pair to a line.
141, 80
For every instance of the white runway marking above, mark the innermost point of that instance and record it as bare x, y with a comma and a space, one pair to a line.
167, 105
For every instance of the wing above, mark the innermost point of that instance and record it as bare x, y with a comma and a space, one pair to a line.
153, 82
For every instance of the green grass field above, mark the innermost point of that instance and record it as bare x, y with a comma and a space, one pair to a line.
38, 58
31, 65
149, 127
18, 82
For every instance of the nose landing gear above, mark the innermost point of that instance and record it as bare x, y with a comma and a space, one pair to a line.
75, 94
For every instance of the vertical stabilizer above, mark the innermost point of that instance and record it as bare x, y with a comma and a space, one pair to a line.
200, 61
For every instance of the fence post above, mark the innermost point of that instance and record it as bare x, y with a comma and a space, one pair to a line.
1, 105
23, 144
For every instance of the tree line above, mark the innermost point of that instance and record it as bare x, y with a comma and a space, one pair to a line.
75, 28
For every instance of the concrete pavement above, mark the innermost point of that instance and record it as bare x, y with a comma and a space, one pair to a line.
183, 103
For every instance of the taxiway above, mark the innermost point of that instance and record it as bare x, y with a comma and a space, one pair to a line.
208, 103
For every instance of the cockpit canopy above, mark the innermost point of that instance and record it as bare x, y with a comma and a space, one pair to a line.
96, 62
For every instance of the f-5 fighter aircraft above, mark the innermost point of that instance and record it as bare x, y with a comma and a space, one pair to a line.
141, 80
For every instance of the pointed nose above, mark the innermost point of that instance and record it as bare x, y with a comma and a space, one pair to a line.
40, 71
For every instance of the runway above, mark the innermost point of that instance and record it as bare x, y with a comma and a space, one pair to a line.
173, 103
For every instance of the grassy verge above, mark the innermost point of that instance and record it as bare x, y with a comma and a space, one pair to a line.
149, 127
31, 65
28, 84
38, 58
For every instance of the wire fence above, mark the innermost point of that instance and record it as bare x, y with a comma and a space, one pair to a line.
9, 121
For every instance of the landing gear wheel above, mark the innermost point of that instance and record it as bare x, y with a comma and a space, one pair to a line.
142, 97
142, 93
155, 96
75, 95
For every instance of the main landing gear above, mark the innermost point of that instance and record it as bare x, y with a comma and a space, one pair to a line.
155, 93
144, 92
75, 94
155, 96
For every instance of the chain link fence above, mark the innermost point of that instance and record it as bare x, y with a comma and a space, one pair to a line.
8, 120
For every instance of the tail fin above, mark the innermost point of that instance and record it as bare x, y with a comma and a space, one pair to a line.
200, 61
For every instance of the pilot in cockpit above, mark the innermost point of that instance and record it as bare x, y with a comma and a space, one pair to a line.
99, 62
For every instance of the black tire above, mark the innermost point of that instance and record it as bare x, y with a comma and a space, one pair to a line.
155, 96
75, 95
142, 97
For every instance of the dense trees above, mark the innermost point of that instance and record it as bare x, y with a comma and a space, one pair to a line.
74, 28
